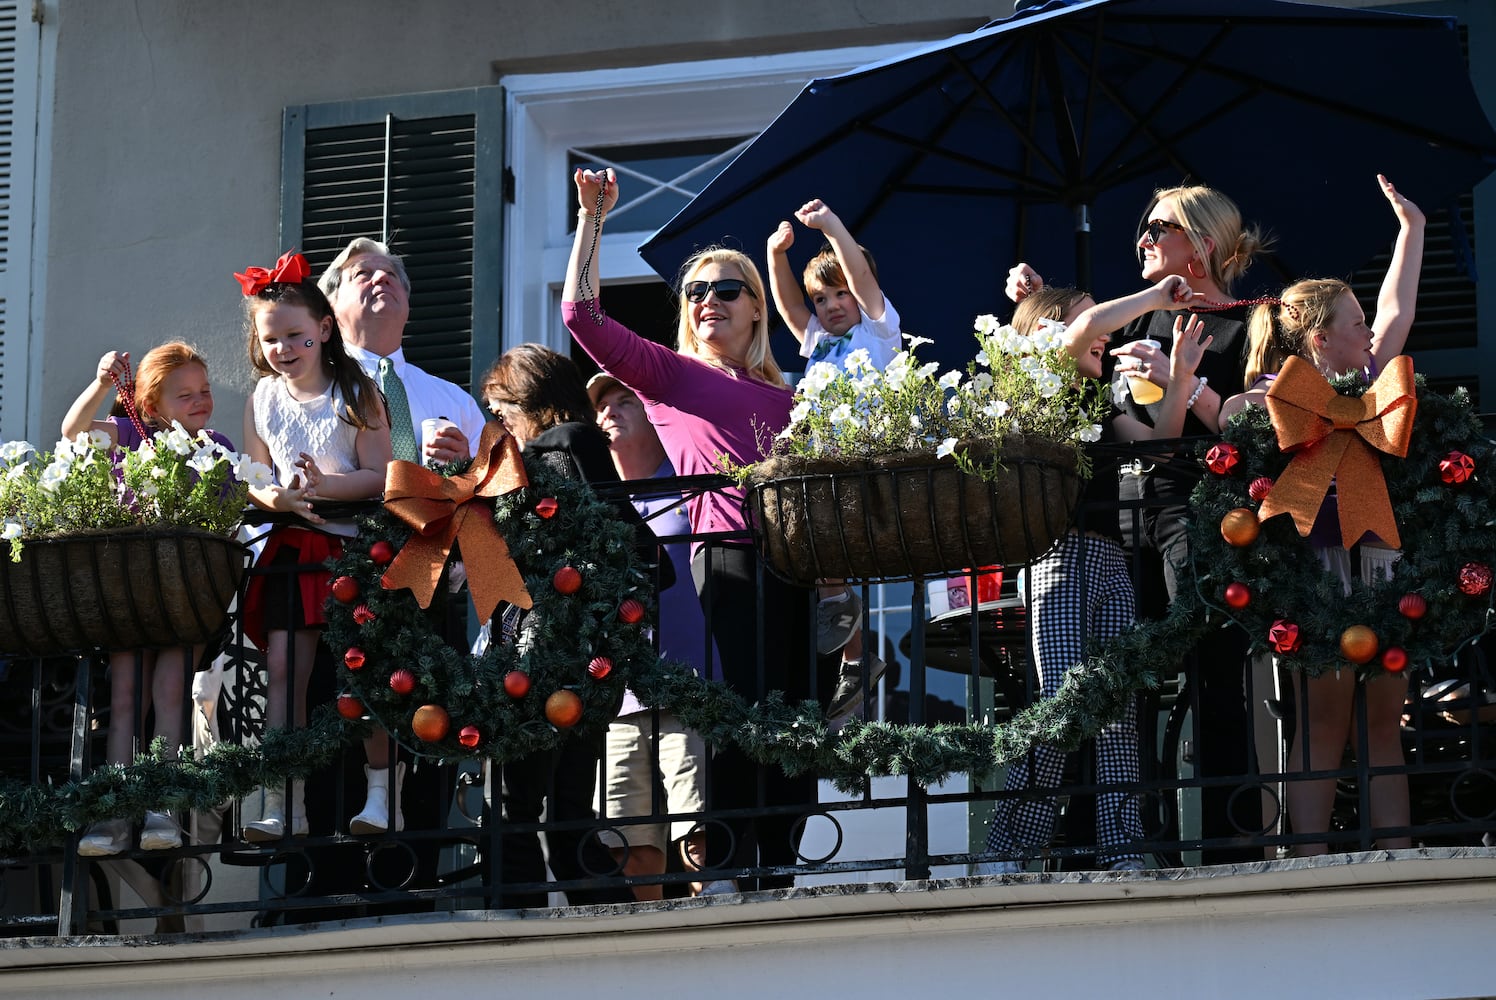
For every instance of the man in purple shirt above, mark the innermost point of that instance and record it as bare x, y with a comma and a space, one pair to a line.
634, 784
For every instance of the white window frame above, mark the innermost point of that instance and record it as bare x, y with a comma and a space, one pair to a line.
550, 113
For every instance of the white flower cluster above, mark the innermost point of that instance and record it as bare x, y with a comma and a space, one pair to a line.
175, 478
1017, 385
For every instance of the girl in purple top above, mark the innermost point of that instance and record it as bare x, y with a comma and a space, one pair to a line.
1321, 321
719, 394
171, 386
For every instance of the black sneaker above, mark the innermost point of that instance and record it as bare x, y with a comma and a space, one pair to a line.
848, 694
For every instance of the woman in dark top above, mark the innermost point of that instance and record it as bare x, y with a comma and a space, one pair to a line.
1196, 233
542, 401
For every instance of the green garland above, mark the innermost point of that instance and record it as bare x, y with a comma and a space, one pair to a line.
1443, 528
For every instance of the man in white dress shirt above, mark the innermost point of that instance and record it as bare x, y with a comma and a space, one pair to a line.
370, 295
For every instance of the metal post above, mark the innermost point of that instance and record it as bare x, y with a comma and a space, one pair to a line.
916, 813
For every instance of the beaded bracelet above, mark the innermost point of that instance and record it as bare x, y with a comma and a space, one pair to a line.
1195, 396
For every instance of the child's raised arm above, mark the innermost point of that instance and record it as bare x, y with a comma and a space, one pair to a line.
80, 416
1106, 318
1399, 294
860, 280
787, 297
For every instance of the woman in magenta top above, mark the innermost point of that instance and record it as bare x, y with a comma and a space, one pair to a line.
718, 394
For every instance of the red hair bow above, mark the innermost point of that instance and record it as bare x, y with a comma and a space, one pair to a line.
291, 268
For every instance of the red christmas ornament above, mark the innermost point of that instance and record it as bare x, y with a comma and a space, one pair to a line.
1222, 458
345, 589
516, 684
1238, 595
382, 552
430, 723
563, 709
1395, 659
567, 580
353, 659
470, 736
600, 667
1475, 579
363, 614
1412, 606
1284, 636
402, 681
630, 612
1259, 488
1456, 468
350, 707
547, 507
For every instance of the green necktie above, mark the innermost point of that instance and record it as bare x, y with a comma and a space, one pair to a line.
402, 434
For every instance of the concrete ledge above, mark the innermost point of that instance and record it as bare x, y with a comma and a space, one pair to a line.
1029, 915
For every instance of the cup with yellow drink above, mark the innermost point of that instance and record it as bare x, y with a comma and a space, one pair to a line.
1144, 392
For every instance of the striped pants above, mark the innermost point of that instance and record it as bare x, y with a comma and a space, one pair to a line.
1080, 590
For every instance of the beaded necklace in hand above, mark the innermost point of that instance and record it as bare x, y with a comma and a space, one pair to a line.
588, 299
124, 388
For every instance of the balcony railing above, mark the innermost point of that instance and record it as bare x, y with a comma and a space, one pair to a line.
947, 664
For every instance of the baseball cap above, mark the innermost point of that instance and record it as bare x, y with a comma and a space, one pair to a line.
600, 383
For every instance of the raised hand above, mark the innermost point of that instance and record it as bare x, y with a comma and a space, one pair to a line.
1407, 212
115, 364
815, 214
1189, 348
589, 182
781, 239
1022, 280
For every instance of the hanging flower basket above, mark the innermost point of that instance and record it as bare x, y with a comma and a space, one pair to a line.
911, 515
131, 588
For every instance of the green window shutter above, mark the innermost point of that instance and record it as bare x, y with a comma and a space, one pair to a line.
424, 181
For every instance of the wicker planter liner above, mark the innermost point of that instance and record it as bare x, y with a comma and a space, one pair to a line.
137, 588
911, 516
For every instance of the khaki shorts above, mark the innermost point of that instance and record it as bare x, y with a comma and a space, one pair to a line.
630, 777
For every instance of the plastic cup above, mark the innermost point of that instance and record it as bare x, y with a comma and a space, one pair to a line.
430, 428
1144, 392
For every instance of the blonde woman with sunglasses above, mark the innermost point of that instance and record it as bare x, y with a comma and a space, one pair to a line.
718, 394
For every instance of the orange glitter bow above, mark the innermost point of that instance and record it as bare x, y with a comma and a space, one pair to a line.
442, 512
1336, 438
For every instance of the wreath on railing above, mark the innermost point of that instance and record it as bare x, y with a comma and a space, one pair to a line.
1439, 597
1434, 505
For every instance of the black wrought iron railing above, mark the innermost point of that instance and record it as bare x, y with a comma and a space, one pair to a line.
1205, 790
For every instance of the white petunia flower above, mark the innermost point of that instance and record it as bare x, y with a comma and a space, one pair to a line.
54, 474
950, 380
859, 361
996, 409
1049, 384
98, 440
799, 412
945, 447
12, 529
841, 414
12, 450
203, 460
158, 473
259, 476
149, 490
1090, 434
915, 341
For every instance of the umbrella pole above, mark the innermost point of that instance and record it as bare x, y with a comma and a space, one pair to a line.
1083, 248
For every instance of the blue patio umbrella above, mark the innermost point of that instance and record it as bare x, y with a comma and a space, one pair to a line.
1042, 136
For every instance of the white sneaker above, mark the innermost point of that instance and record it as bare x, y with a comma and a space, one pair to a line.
719, 887
105, 839
997, 868
160, 833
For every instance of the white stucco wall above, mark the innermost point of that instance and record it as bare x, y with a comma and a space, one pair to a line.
166, 134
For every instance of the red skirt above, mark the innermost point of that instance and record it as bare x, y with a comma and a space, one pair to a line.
313, 587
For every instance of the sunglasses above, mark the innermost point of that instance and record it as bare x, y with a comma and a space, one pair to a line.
1154, 230
726, 289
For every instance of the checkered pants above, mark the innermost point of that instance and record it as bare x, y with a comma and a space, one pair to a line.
1079, 590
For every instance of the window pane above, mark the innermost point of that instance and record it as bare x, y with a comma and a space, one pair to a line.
658, 178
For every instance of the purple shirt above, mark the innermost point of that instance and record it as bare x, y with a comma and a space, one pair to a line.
129, 438
701, 412
682, 626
